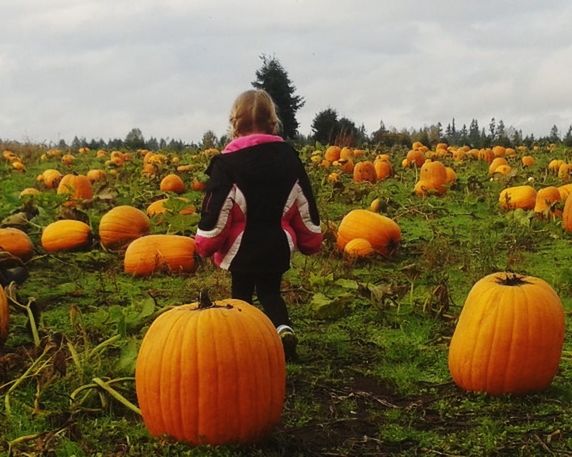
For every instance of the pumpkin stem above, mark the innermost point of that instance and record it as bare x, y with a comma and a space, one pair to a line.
204, 299
512, 279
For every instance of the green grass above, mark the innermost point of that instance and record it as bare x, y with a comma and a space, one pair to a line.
372, 377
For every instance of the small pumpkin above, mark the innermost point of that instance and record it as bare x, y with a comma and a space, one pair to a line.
16, 242
383, 233
509, 336
211, 373
66, 235
121, 225
158, 207
172, 183
358, 247
148, 254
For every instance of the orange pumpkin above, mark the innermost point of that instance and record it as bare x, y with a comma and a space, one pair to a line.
332, 153
383, 233
364, 171
16, 242
211, 373
509, 336
158, 207
51, 178
65, 235
151, 253
545, 200
416, 156
567, 214
96, 175
383, 168
77, 187
121, 225
527, 161
358, 247
172, 183
518, 197
497, 162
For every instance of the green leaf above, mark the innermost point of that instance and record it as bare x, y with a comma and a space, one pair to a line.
347, 283
327, 308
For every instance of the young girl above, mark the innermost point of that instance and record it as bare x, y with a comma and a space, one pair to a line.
258, 208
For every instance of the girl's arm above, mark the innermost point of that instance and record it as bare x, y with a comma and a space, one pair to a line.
216, 213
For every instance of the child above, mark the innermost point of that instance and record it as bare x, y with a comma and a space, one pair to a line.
257, 209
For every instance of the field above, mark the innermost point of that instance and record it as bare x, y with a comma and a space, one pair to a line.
372, 377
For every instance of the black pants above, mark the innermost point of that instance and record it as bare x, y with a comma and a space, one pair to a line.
267, 286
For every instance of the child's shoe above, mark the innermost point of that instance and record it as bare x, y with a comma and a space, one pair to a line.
289, 341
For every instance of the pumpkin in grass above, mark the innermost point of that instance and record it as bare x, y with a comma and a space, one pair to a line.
496, 162
77, 187
151, 253
121, 225
4, 317
211, 373
158, 207
545, 200
527, 161
518, 197
567, 214
383, 168
51, 178
509, 336
358, 247
364, 172
382, 232
66, 235
96, 175
172, 183
16, 242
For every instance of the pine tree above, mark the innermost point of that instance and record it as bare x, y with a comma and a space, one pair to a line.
273, 78
325, 126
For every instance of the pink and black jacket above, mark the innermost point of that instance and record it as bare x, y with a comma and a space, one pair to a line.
258, 207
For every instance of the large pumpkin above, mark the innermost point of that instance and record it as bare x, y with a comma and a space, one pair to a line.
518, 197
66, 235
16, 242
4, 317
211, 373
509, 336
121, 225
145, 255
382, 232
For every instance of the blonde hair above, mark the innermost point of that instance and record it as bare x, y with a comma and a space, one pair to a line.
253, 111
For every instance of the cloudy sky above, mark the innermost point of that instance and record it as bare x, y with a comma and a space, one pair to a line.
98, 68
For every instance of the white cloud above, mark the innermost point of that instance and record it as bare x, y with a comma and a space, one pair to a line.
99, 68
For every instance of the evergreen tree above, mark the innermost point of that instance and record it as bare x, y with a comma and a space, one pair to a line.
273, 78
475, 134
554, 135
568, 137
134, 139
325, 126
463, 135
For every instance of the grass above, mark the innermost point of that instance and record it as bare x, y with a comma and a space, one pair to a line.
372, 377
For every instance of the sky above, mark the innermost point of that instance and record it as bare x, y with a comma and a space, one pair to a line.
172, 68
